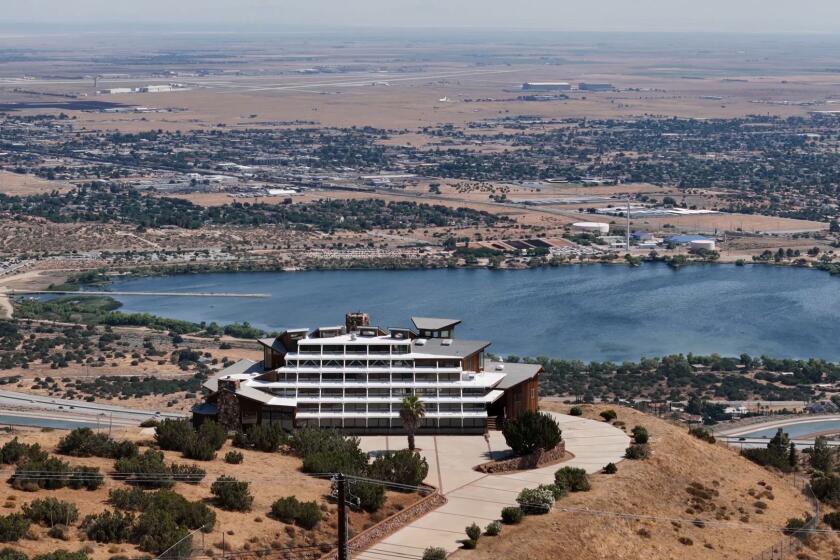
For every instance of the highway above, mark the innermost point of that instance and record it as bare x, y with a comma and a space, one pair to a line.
34, 410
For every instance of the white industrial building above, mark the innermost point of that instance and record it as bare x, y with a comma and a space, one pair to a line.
591, 227
546, 86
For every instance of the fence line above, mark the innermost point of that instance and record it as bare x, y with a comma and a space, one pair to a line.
794, 542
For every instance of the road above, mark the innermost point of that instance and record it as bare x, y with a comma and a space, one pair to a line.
29, 407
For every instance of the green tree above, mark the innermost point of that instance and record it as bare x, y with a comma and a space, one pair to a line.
412, 412
822, 456
531, 431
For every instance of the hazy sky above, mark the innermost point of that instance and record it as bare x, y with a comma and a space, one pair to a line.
608, 15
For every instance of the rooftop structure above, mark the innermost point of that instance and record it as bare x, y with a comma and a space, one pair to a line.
546, 86
354, 377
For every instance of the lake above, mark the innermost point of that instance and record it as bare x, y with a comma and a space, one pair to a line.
586, 312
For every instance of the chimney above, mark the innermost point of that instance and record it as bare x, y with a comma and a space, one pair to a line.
355, 320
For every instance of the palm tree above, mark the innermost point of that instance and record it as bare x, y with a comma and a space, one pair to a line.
411, 412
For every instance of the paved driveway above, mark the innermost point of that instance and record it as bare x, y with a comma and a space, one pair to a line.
476, 497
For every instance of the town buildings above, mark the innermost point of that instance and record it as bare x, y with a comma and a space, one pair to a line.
354, 377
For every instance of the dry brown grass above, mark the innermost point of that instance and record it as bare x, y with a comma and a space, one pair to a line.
659, 487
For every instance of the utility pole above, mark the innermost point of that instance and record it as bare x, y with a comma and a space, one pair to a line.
628, 225
343, 550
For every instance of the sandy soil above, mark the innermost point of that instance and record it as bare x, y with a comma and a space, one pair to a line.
657, 487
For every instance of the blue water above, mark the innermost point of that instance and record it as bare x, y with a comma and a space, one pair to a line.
798, 430
587, 312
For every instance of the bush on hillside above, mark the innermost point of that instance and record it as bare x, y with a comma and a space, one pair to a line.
199, 450
609, 415
640, 435
572, 478
558, 490
62, 555
191, 474
637, 451
832, 520
50, 512
401, 467
192, 515
13, 452
610, 468
531, 431
130, 499
108, 526
285, 509
827, 489
213, 433
262, 437
511, 515
370, 497
576, 411
84, 442
87, 478
12, 554
147, 470
234, 457
231, 494
328, 451
13, 527
473, 532
173, 435
160, 532
703, 434
431, 553
535, 501
52, 473
493, 529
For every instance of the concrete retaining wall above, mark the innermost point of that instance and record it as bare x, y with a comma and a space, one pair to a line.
539, 458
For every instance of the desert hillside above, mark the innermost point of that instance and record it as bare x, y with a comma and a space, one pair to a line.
685, 479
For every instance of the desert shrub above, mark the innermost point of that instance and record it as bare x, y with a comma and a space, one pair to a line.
493, 529
827, 489
191, 474
610, 468
473, 532
234, 457
87, 478
12, 554
174, 434
264, 437
62, 555
531, 431
149, 423
370, 497
534, 501
192, 515
609, 415
796, 526
702, 433
159, 532
147, 470
213, 433
640, 435
511, 515
832, 520
13, 527
13, 452
108, 526
50, 511
576, 411
637, 451
285, 509
401, 467
309, 515
779, 453
557, 490
84, 442
431, 553
231, 494
469, 544
199, 450
573, 478
130, 499
328, 451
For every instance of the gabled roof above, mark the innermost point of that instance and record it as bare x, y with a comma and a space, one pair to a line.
433, 323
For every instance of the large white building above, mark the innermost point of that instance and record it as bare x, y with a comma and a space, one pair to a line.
354, 378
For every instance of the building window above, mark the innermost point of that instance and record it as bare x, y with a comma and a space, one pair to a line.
474, 391
333, 349
450, 393
379, 349
449, 377
379, 407
308, 392
426, 377
400, 393
330, 407
355, 377
402, 364
378, 364
474, 407
355, 393
400, 349
379, 377
309, 377
450, 407
357, 349
379, 393
309, 349
332, 376
332, 393
355, 407
431, 406
425, 392
333, 364
308, 407
403, 377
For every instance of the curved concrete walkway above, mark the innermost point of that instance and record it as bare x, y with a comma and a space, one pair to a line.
474, 497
